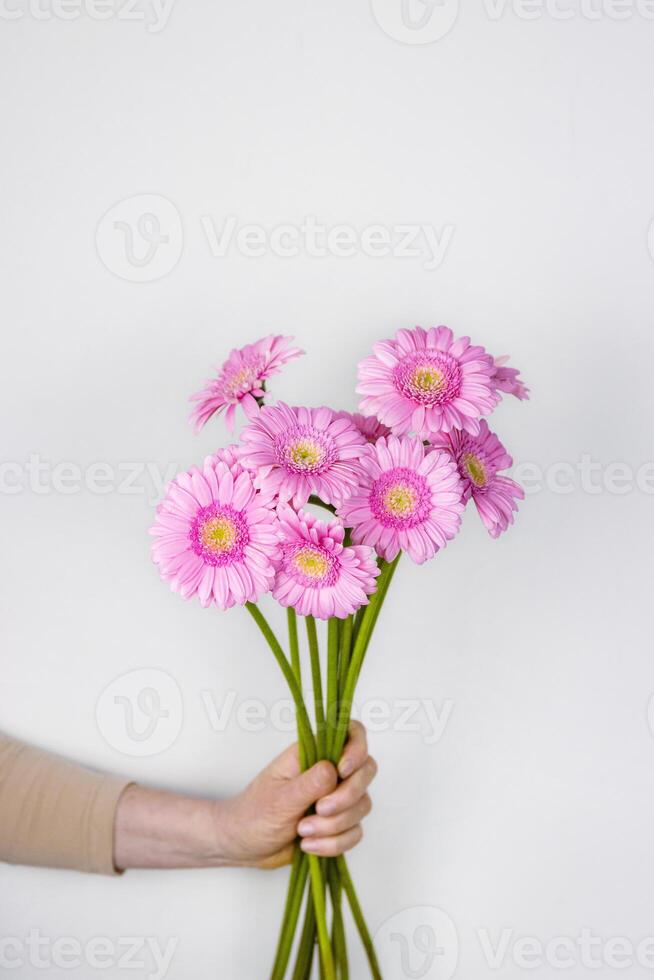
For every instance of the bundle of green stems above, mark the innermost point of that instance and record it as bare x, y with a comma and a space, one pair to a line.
320, 884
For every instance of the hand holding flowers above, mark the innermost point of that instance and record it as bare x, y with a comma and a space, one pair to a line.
260, 825
394, 480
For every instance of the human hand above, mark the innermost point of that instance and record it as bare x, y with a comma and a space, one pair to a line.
258, 827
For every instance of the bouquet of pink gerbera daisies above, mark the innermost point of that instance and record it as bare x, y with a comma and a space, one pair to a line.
395, 479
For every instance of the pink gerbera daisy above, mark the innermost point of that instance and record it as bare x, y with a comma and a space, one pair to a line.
506, 379
229, 455
302, 451
425, 381
317, 575
216, 537
368, 425
479, 458
409, 499
241, 379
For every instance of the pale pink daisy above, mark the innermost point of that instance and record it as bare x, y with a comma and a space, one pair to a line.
317, 575
241, 379
229, 455
216, 537
479, 460
368, 425
408, 499
506, 379
425, 381
297, 452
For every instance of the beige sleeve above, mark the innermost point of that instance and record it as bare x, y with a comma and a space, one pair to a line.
53, 813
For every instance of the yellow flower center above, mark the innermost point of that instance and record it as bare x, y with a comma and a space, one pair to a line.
428, 378
238, 380
400, 500
218, 535
305, 453
311, 563
475, 469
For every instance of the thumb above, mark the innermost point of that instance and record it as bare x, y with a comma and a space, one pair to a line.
311, 785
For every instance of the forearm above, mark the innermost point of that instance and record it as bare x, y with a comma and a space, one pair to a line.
58, 814
55, 813
157, 829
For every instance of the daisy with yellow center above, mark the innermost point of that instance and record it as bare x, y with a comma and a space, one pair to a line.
311, 562
317, 575
306, 454
218, 534
474, 469
244, 378
241, 380
300, 452
400, 500
408, 499
480, 459
428, 379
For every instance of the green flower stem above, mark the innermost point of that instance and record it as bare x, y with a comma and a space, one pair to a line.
296, 693
293, 644
385, 585
294, 648
318, 892
357, 621
295, 872
368, 621
339, 943
357, 914
344, 654
381, 588
315, 870
296, 889
361, 641
314, 654
315, 865
306, 949
332, 681
300, 869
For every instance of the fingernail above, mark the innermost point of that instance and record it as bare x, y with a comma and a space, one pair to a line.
308, 844
325, 807
346, 768
305, 828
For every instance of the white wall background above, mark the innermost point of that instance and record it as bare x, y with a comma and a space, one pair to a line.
532, 139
